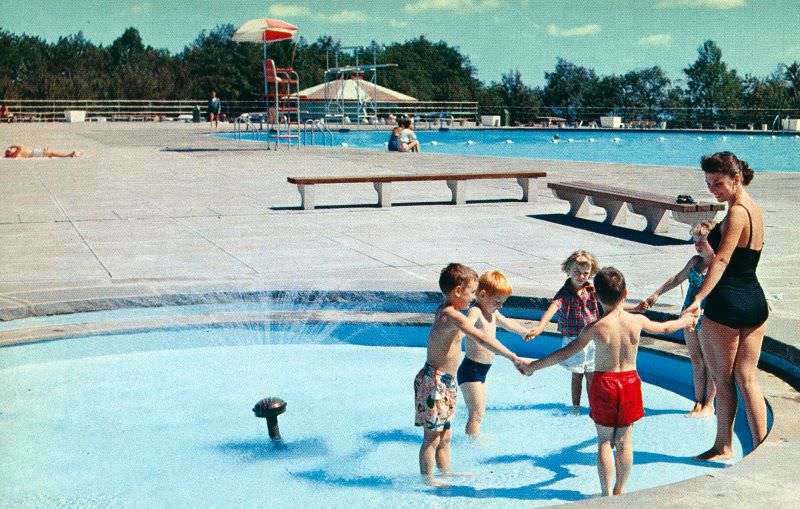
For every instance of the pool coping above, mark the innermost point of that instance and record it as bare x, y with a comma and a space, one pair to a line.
766, 474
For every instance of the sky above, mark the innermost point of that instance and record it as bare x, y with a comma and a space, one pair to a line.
610, 36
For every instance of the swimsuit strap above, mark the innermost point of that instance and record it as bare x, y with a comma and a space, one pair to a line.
750, 219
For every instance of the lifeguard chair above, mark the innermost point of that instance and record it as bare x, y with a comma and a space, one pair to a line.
281, 94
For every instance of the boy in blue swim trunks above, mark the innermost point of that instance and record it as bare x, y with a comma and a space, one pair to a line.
434, 385
493, 290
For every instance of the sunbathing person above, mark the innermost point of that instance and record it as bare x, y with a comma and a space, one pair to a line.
21, 151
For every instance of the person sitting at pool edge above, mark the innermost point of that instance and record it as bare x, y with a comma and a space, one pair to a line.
21, 151
615, 396
435, 385
408, 139
394, 139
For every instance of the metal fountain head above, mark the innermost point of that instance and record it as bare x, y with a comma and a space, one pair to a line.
270, 409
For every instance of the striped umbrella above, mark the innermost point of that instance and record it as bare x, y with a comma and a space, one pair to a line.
264, 30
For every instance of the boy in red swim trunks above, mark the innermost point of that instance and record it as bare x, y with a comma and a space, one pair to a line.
615, 395
435, 384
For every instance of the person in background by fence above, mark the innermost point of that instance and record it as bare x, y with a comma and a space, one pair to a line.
5, 114
214, 109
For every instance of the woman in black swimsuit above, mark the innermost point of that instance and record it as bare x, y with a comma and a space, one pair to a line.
735, 309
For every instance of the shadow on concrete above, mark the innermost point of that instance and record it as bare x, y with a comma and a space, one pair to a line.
400, 204
211, 149
611, 230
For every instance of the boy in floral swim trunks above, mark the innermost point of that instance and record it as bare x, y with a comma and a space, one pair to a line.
615, 395
435, 384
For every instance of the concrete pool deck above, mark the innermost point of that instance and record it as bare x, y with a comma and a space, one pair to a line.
133, 220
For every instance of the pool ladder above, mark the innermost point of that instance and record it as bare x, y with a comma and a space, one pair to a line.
308, 132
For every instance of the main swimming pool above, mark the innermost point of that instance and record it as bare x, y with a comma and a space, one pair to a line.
162, 418
764, 151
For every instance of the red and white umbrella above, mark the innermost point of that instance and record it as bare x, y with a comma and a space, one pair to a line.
264, 30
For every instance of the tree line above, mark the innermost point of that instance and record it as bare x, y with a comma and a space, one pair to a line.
75, 68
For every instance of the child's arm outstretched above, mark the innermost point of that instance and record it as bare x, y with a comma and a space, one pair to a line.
668, 285
527, 368
512, 325
551, 311
467, 326
686, 320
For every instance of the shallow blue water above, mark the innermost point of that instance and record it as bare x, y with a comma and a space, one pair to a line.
764, 152
163, 418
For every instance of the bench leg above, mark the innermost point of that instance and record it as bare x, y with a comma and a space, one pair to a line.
384, 190
578, 203
615, 210
656, 217
458, 188
528, 186
692, 218
306, 196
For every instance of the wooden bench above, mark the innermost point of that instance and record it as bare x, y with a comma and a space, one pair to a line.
654, 207
383, 184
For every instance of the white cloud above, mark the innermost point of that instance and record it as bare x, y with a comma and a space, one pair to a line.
397, 23
346, 17
288, 11
460, 5
557, 31
656, 40
710, 4
140, 8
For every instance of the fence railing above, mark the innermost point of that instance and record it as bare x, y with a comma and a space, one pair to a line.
678, 117
128, 110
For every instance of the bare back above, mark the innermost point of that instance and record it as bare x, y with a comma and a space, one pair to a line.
616, 338
444, 343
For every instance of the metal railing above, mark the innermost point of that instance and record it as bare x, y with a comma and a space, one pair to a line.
308, 132
675, 117
45, 110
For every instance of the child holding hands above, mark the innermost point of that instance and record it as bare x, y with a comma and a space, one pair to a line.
615, 395
493, 290
578, 307
695, 271
435, 385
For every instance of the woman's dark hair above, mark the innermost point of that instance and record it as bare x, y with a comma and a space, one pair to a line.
728, 164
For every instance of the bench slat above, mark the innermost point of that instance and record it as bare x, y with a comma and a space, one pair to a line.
383, 184
411, 178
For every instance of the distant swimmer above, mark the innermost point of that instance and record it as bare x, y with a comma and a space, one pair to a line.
556, 138
616, 139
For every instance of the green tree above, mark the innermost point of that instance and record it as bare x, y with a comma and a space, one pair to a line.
710, 84
791, 73
646, 89
568, 87
522, 102
216, 61
430, 71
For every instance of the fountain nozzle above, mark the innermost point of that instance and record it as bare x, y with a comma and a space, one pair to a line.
270, 409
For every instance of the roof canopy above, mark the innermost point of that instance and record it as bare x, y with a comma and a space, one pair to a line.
354, 90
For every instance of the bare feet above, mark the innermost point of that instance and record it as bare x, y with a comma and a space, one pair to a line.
695, 411
715, 454
576, 410
76, 153
707, 410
